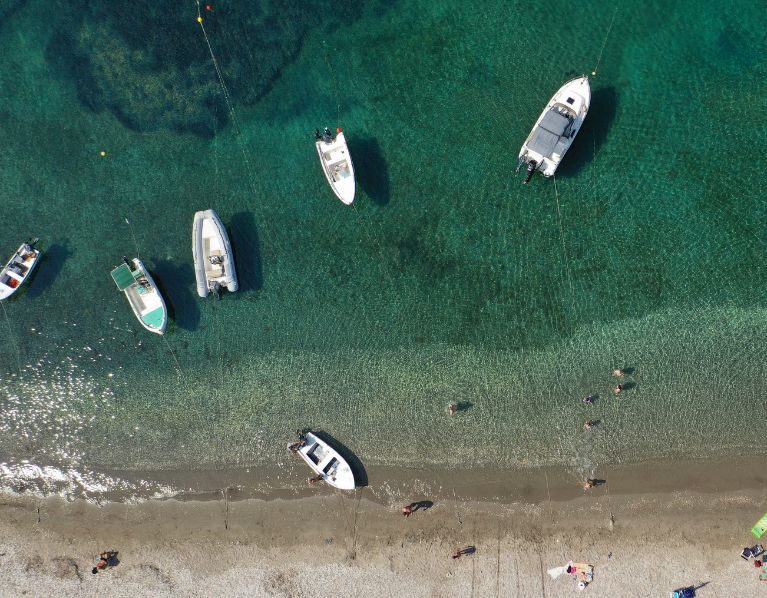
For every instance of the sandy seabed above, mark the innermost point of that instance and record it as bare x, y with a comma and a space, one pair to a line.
353, 544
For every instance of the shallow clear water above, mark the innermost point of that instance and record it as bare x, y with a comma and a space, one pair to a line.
447, 281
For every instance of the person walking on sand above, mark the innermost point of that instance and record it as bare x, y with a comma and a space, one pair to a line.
458, 553
315, 479
588, 485
452, 408
618, 388
619, 373
407, 510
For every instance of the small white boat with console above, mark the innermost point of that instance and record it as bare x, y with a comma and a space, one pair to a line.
556, 127
18, 269
144, 297
325, 461
336, 163
213, 258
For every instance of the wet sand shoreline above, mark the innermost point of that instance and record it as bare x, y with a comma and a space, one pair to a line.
479, 484
351, 544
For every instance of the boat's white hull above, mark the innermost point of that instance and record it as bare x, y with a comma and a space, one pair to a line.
337, 166
575, 97
17, 271
145, 304
325, 461
209, 239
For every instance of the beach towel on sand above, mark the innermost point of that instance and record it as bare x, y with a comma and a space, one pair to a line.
582, 571
557, 571
761, 527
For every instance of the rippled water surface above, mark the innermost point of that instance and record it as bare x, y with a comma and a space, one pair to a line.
446, 281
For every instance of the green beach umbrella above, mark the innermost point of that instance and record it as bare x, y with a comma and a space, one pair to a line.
761, 527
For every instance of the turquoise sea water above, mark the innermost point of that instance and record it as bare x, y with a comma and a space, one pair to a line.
447, 280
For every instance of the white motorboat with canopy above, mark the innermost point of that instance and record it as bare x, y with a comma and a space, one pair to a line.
16, 272
556, 127
336, 163
213, 258
325, 461
144, 297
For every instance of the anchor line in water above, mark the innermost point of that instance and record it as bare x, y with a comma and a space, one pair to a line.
173, 354
564, 248
604, 43
13, 339
335, 84
132, 234
230, 107
374, 240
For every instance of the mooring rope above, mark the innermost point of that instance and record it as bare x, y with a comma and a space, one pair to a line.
604, 43
13, 339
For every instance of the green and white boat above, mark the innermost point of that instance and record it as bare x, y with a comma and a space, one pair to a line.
144, 297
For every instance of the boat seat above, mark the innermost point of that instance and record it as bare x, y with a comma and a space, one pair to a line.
311, 455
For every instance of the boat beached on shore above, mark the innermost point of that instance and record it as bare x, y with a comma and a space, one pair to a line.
336, 163
16, 272
142, 293
212, 252
556, 127
325, 461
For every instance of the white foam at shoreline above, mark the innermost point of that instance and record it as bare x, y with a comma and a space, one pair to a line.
29, 479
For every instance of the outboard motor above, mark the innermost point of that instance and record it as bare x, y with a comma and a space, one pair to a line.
327, 136
317, 135
531, 166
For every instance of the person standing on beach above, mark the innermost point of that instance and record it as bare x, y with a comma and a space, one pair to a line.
619, 373
588, 485
588, 400
452, 408
315, 479
618, 388
588, 424
407, 510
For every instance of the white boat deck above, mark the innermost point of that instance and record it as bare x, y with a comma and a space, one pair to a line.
326, 462
556, 127
212, 247
17, 270
338, 167
212, 253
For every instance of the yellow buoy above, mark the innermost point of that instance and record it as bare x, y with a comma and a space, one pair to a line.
102, 153
593, 73
199, 19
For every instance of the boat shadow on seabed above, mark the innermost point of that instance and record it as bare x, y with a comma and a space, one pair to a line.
370, 168
360, 475
246, 247
604, 104
174, 283
50, 266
